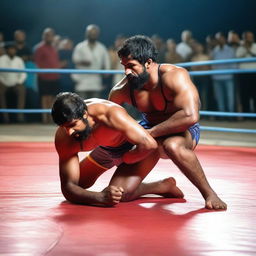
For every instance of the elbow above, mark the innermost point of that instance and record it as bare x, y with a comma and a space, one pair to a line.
66, 192
67, 195
195, 118
154, 145
151, 145
192, 118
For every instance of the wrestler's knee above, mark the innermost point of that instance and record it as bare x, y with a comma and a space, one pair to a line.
127, 196
171, 148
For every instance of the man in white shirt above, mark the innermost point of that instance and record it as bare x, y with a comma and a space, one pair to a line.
12, 82
90, 54
184, 48
247, 81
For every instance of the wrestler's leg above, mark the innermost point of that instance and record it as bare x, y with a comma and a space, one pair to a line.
129, 177
180, 149
89, 172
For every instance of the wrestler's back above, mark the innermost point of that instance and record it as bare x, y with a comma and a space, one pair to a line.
103, 133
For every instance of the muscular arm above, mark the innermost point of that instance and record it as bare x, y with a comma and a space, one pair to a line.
134, 133
120, 93
69, 177
185, 100
69, 169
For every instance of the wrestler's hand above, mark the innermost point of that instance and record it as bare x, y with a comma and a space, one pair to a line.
149, 131
112, 195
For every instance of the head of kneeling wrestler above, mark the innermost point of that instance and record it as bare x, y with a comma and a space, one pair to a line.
70, 111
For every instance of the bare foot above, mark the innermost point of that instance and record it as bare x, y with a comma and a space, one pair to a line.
169, 188
213, 202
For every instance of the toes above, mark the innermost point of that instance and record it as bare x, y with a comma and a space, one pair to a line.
215, 206
209, 205
171, 180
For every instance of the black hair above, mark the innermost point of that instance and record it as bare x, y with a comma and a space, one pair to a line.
140, 48
67, 107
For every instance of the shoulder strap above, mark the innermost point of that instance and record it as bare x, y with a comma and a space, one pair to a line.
133, 97
160, 83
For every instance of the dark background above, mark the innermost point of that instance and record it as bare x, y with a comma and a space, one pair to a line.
166, 18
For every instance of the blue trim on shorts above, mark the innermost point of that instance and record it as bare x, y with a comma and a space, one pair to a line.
195, 132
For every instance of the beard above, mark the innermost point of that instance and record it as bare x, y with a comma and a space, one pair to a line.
83, 135
137, 82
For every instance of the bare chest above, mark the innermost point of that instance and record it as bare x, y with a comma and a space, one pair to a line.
153, 101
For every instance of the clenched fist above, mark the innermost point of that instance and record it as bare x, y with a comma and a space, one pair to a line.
112, 195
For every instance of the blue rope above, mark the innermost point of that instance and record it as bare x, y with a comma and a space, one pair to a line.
203, 113
186, 64
61, 71
203, 128
106, 71
192, 73
221, 72
222, 129
215, 62
218, 113
27, 111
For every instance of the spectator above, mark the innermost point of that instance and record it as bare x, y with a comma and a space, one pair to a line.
11, 82
2, 51
31, 85
115, 61
233, 39
160, 46
210, 43
1, 37
184, 48
56, 41
223, 84
247, 81
171, 55
20, 43
203, 83
90, 54
234, 42
46, 56
66, 46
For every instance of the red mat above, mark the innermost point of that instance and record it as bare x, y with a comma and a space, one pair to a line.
36, 219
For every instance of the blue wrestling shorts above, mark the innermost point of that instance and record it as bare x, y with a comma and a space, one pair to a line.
194, 129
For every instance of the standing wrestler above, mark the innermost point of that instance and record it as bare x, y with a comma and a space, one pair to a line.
169, 103
115, 139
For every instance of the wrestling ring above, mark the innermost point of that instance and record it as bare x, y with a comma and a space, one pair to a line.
36, 219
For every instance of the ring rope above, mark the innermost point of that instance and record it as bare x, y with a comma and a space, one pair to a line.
106, 71
222, 129
215, 62
203, 128
192, 73
203, 113
186, 64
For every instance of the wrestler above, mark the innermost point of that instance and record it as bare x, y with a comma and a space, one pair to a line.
114, 139
169, 103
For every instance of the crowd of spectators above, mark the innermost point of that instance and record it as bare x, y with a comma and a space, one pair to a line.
222, 92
